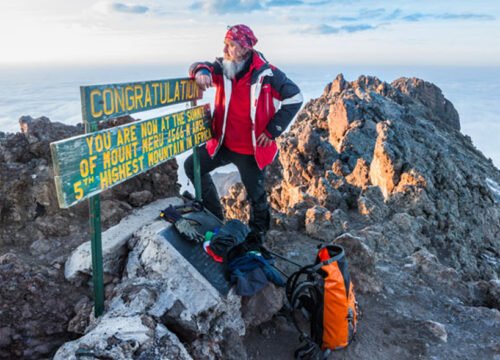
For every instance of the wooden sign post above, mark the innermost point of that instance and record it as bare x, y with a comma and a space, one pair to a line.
88, 164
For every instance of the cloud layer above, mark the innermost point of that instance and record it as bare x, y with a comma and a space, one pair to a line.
371, 19
108, 7
129, 9
228, 6
324, 29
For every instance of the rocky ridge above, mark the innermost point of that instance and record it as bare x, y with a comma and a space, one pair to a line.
383, 170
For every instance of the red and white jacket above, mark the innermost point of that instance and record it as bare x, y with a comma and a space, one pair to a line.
274, 101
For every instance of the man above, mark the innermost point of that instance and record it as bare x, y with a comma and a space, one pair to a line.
254, 103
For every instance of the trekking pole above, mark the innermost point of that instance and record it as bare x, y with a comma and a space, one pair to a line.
284, 258
280, 271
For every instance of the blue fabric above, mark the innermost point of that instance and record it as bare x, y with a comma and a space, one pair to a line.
234, 232
171, 214
244, 269
250, 283
235, 229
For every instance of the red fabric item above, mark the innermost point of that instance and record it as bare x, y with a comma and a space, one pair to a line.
238, 137
264, 113
323, 254
243, 35
206, 247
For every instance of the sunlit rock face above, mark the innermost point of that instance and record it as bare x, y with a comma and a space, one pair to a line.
402, 140
383, 170
380, 150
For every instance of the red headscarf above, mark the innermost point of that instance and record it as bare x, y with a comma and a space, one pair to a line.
243, 35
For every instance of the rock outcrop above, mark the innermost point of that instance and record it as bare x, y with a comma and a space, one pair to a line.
36, 236
383, 170
390, 157
28, 206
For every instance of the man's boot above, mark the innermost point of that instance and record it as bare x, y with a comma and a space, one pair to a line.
260, 220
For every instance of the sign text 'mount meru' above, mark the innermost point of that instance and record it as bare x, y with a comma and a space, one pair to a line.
101, 102
88, 164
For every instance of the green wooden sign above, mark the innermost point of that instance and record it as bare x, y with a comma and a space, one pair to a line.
101, 102
86, 165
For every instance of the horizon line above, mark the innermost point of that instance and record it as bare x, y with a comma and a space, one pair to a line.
34, 65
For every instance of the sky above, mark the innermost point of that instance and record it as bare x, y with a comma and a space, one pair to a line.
425, 32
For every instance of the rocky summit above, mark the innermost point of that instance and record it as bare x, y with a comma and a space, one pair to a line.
381, 169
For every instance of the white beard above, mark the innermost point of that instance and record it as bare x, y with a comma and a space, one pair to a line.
231, 68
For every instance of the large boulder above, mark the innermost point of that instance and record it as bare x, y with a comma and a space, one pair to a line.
162, 307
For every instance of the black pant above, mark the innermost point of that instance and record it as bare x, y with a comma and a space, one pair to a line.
251, 176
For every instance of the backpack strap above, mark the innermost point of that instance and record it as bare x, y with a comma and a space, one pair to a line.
308, 351
292, 281
321, 261
306, 295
